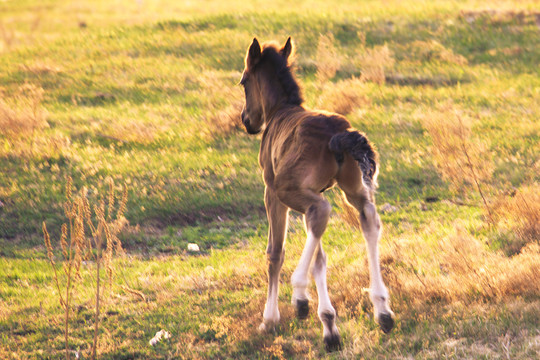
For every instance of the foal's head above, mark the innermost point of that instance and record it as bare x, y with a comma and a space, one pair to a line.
268, 82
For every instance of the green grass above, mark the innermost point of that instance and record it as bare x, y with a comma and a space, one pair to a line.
131, 92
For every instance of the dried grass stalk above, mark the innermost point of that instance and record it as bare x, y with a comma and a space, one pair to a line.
374, 62
328, 58
462, 159
343, 97
103, 227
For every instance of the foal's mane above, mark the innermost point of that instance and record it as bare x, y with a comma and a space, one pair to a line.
284, 72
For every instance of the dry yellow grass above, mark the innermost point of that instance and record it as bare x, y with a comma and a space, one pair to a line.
452, 275
518, 216
7, 37
470, 271
22, 115
433, 50
328, 58
461, 158
224, 122
222, 115
458, 268
344, 96
341, 97
375, 62
23, 121
41, 68
133, 131
372, 62
465, 160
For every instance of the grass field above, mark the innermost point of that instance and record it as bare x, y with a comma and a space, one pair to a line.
144, 93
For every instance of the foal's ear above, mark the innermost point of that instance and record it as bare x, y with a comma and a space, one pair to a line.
254, 53
287, 49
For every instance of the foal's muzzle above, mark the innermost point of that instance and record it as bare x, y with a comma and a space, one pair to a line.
247, 125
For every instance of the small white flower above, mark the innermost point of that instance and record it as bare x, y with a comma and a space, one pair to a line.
161, 334
193, 247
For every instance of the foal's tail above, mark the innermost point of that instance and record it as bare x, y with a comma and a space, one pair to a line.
359, 147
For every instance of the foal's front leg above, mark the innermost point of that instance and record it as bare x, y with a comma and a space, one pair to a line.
277, 218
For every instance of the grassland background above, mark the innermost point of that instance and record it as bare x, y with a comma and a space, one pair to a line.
140, 91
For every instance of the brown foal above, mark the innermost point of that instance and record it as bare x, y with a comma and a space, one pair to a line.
302, 154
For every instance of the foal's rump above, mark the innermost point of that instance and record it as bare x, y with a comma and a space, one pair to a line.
332, 138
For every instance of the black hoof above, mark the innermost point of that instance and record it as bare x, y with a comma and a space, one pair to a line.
302, 309
332, 342
386, 323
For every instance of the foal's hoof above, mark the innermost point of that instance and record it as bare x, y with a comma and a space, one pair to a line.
332, 342
302, 309
267, 327
386, 322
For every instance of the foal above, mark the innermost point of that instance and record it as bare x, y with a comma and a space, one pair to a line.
302, 154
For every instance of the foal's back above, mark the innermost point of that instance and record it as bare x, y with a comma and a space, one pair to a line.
295, 147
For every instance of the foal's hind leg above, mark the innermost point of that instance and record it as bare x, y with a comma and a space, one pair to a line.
371, 227
316, 213
277, 217
326, 311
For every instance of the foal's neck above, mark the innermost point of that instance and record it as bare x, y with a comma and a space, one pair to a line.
281, 112
280, 90
276, 103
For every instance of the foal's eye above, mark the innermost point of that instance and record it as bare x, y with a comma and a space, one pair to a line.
243, 81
